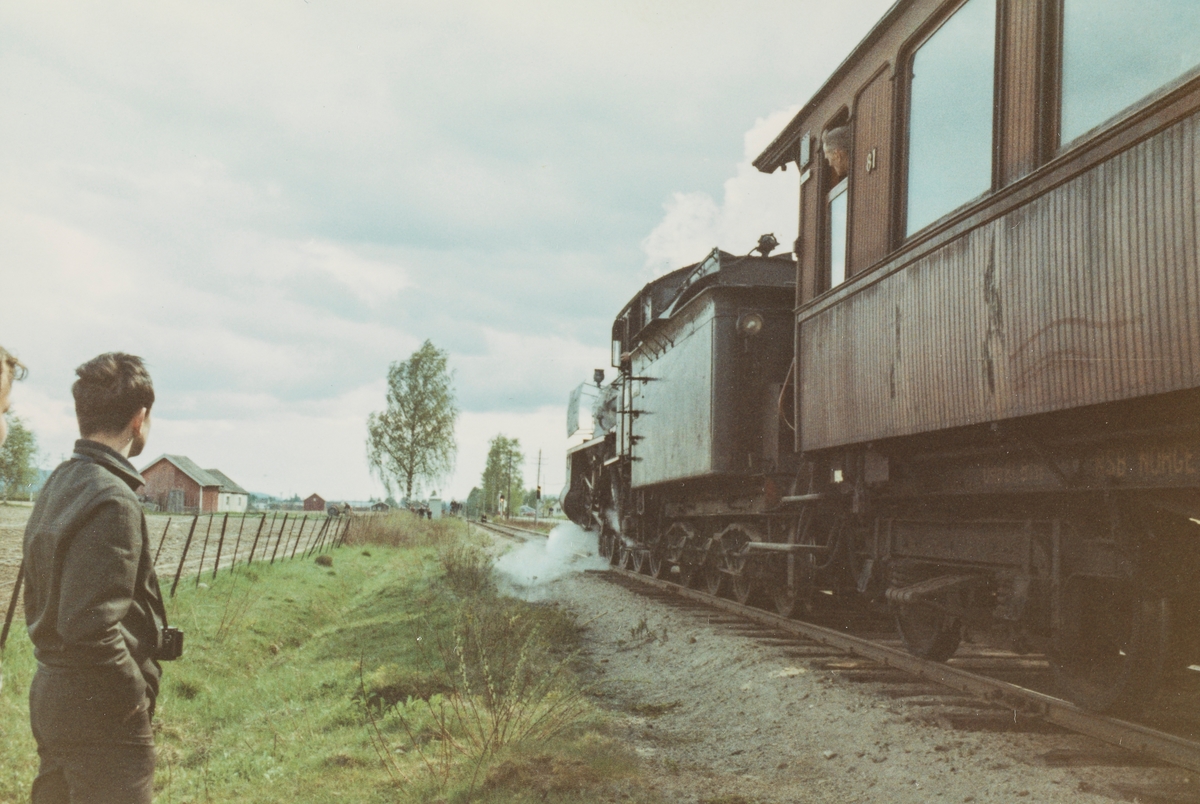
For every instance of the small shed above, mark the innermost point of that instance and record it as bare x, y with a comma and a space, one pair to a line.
314, 502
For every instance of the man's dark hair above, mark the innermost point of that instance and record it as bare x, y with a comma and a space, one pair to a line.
111, 388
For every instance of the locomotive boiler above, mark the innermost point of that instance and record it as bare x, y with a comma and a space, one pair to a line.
971, 393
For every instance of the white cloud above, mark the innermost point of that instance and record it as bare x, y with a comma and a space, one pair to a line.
271, 202
753, 204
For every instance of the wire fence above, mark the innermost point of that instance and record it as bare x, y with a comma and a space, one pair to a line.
192, 549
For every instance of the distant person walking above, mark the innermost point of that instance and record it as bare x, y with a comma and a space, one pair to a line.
11, 370
92, 601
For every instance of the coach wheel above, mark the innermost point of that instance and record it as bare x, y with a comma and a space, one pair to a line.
1111, 648
637, 558
928, 632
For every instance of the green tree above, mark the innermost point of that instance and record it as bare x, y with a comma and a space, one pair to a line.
502, 474
474, 503
412, 442
18, 457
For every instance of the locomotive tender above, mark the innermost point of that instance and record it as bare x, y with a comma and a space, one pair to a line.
972, 392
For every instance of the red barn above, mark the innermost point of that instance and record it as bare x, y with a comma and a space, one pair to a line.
314, 502
175, 483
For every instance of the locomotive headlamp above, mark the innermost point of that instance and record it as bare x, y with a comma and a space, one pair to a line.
750, 324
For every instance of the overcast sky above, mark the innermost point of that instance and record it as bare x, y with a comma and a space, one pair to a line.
272, 201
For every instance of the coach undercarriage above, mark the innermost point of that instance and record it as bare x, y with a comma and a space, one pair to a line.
1095, 580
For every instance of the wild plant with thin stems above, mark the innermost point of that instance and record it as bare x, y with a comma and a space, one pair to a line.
503, 691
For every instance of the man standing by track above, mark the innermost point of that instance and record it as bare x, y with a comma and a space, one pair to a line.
92, 601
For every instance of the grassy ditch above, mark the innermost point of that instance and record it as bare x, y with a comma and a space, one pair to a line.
395, 674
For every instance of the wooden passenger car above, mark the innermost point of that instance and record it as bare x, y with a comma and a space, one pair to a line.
997, 377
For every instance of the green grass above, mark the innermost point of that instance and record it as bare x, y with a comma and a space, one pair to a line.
395, 675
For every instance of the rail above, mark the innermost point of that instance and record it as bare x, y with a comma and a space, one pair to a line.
1161, 745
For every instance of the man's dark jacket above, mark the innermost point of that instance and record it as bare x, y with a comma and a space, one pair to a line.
92, 600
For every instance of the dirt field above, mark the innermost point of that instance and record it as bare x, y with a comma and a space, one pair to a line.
168, 535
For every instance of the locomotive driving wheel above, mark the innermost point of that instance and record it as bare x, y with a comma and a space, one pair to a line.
743, 585
624, 554
1111, 648
680, 541
713, 577
656, 556
790, 580
741, 568
638, 558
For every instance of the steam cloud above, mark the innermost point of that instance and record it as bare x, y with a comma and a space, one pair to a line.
569, 549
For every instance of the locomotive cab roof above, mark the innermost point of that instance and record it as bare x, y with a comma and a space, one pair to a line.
661, 299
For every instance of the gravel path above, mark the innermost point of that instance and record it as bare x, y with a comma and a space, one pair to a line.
721, 716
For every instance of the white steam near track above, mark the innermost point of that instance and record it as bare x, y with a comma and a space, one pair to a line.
569, 549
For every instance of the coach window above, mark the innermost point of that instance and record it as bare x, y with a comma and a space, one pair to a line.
835, 146
1115, 52
950, 114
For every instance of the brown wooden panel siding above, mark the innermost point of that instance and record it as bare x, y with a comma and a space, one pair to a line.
807, 279
1019, 100
1088, 294
870, 191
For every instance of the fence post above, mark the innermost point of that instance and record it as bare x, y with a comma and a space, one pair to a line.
329, 535
345, 532
183, 557
337, 532
12, 604
204, 550
303, 522
163, 539
257, 533
316, 541
220, 544
282, 525
238, 544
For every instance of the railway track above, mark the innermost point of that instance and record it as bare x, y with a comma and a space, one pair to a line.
1023, 701
999, 681
510, 531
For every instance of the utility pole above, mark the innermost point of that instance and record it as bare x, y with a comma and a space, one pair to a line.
537, 503
508, 507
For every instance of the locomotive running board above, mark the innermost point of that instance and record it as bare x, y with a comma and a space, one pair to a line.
1131, 736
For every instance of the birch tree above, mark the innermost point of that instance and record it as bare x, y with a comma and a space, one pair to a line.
412, 441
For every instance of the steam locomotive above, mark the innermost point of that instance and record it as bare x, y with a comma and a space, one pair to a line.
971, 393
